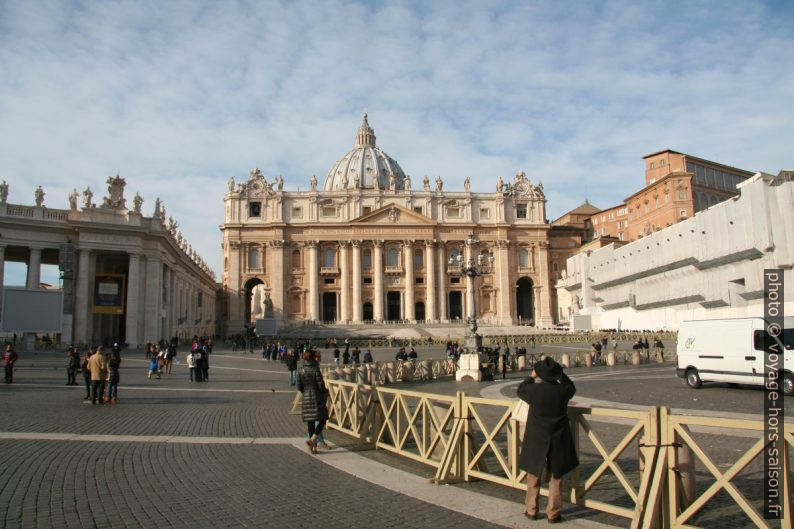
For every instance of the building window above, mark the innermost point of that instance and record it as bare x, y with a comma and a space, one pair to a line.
653, 166
254, 258
329, 280
453, 212
554, 266
367, 280
521, 211
420, 280
523, 258
682, 194
329, 211
419, 209
683, 213
296, 259
393, 257
453, 254
454, 280
662, 163
419, 261
366, 260
656, 202
297, 213
620, 235
366, 209
485, 213
329, 258
254, 209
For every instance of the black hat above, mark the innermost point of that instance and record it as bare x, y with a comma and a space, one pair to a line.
548, 370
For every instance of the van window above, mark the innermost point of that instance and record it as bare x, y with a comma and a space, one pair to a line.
758, 339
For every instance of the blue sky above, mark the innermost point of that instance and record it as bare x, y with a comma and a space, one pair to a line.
179, 96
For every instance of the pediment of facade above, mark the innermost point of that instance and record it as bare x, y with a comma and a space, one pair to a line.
393, 214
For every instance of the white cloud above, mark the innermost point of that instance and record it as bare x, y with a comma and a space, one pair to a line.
189, 94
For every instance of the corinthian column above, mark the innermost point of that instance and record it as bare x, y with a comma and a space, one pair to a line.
505, 314
344, 295
408, 255
377, 254
356, 281
314, 300
442, 282
278, 282
430, 281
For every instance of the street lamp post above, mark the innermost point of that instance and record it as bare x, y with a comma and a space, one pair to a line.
469, 362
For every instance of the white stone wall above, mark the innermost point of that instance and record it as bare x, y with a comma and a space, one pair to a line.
709, 266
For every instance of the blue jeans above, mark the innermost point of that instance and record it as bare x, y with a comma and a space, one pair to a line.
293, 377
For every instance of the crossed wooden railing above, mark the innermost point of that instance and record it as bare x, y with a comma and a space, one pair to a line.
470, 438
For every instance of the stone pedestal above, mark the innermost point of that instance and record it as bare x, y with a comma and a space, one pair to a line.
473, 341
611, 360
566, 360
469, 367
636, 358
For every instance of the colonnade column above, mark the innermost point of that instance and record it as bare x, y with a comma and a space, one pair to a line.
377, 257
2, 272
357, 282
235, 314
313, 280
442, 282
344, 294
133, 299
152, 327
408, 255
81, 292
505, 314
544, 317
34, 269
278, 286
430, 280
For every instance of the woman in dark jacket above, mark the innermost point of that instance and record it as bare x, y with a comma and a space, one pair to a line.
313, 409
548, 440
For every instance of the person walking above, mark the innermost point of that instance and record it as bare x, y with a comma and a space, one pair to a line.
72, 365
191, 364
548, 439
113, 376
99, 372
313, 403
292, 366
86, 374
368, 357
10, 357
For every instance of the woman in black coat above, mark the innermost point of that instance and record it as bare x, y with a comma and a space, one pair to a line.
548, 440
313, 408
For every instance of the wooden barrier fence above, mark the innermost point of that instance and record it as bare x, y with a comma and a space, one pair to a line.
470, 438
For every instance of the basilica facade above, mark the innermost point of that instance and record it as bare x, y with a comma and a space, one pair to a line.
368, 246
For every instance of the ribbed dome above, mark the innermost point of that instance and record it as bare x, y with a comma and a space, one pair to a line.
366, 163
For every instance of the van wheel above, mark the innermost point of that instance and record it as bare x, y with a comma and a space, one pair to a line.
693, 379
788, 384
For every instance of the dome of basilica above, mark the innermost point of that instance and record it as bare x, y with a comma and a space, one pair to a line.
365, 166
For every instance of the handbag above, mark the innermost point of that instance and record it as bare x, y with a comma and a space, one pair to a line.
520, 411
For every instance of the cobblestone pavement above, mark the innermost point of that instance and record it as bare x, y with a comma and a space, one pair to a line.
45, 483
115, 482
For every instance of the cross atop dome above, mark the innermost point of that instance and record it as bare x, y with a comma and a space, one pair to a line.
365, 137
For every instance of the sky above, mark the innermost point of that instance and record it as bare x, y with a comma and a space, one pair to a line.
178, 96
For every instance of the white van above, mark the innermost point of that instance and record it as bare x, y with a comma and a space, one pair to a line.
730, 350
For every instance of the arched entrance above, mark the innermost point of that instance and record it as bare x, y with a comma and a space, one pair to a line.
525, 303
367, 312
393, 312
249, 289
329, 306
456, 305
419, 311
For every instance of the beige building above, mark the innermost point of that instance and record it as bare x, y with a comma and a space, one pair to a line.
125, 276
366, 245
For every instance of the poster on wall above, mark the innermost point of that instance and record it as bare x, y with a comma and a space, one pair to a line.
109, 294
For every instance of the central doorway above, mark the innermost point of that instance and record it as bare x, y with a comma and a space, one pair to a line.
393, 312
456, 305
367, 311
329, 306
524, 301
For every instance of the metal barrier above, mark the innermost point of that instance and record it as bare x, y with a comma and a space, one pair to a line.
471, 438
